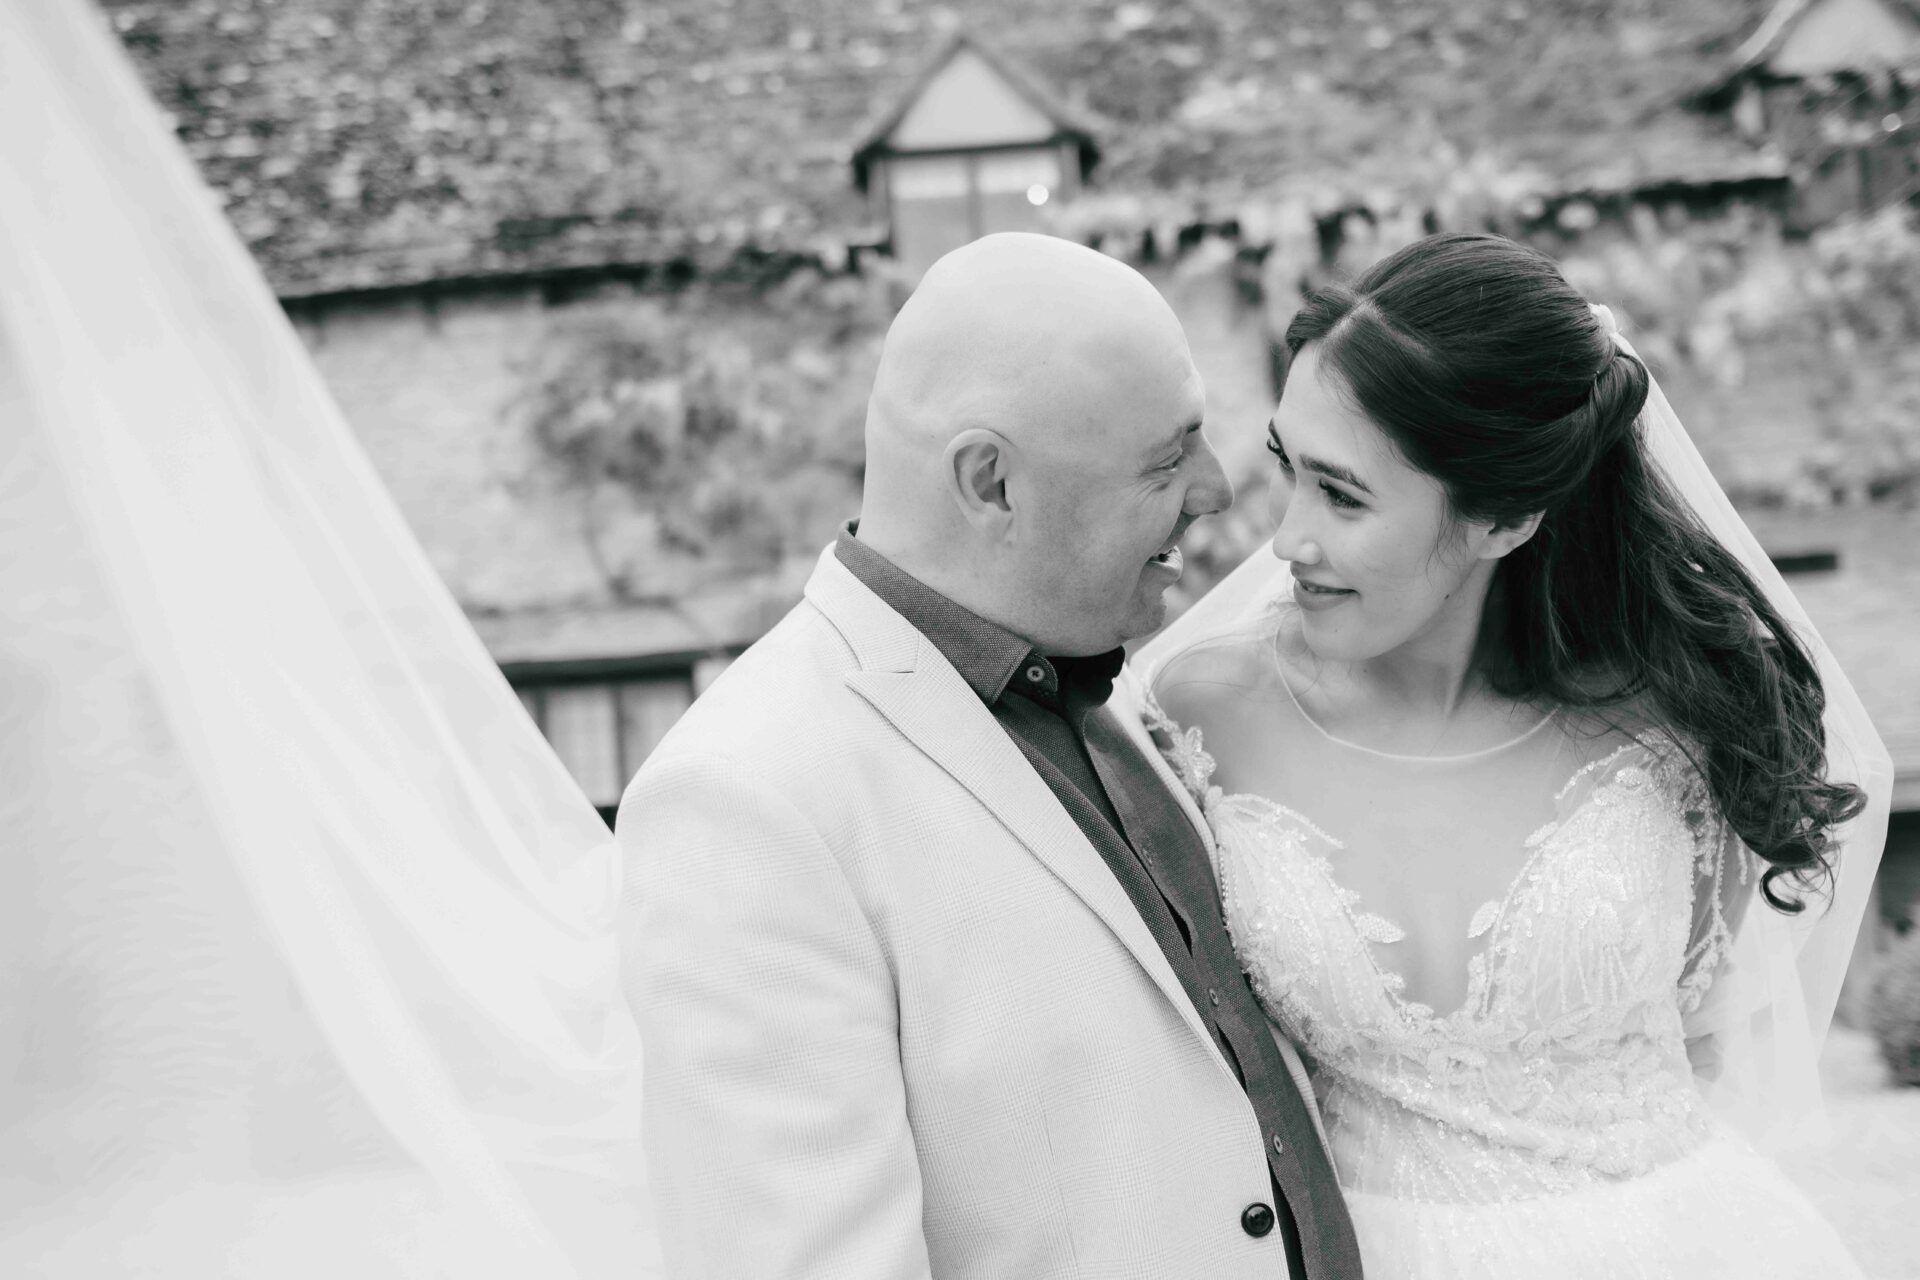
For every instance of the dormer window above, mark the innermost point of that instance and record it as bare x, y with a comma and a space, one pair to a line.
975, 147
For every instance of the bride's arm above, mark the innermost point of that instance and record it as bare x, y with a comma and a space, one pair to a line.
1723, 885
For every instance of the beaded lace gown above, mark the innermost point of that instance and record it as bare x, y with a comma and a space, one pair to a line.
1549, 1125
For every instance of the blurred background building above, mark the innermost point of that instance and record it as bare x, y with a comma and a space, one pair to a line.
1820, 82
974, 146
600, 284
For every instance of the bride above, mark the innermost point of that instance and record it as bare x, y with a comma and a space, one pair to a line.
1543, 820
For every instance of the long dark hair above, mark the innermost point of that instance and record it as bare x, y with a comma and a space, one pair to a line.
1489, 372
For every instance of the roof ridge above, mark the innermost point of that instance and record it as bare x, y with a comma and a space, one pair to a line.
1783, 18
1065, 116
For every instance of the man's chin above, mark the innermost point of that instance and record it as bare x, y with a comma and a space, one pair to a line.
1148, 616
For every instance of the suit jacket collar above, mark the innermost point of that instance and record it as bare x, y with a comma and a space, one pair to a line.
985, 654
907, 680
881, 639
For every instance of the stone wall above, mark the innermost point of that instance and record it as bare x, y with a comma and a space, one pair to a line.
429, 390
528, 433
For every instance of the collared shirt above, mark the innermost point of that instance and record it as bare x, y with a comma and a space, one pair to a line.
1053, 708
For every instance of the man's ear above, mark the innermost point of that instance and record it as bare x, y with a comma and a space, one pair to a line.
1509, 535
975, 467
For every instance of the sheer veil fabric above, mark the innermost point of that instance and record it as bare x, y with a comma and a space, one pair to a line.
308, 955
1766, 1015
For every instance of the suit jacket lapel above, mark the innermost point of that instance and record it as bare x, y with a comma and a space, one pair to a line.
939, 714
1127, 703
907, 680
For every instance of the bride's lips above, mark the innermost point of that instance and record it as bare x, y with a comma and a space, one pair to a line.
1316, 596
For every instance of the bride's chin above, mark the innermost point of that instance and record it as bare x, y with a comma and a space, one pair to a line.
1308, 634
1327, 641
1316, 647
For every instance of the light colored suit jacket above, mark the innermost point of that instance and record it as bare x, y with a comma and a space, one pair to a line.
900, 1020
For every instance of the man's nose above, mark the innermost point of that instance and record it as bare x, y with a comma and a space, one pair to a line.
1210, 491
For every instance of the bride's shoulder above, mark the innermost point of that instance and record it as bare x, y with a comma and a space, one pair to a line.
1197, 683
1630, 737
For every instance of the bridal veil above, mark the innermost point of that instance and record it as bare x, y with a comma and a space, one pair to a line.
308, 955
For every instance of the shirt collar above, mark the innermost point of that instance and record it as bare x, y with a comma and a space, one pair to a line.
987, 656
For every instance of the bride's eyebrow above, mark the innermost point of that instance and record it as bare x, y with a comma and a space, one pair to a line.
1332, 470
1335, 471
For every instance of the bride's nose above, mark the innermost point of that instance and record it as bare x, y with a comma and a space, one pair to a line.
1298, 551
1293, 540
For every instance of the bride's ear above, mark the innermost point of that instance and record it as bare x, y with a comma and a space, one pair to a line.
1508, 535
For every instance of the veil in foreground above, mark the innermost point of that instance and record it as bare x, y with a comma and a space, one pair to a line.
1767, 1013
306, 956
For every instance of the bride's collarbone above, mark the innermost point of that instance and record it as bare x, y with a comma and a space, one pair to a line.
1399, 728
1357, 712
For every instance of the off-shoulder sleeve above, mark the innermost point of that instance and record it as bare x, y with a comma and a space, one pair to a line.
1722, 885
1742, 999
1718, 997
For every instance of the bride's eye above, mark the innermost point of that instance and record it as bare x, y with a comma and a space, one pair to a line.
1273, 447
1335, 495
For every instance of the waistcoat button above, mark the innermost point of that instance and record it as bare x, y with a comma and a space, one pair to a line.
1257, 1220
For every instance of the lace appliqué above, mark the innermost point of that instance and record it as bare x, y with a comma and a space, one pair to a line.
1720, 870
1183, 750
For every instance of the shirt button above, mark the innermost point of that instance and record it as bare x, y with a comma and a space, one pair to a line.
1257, 1220
1279, 1147
1213, 998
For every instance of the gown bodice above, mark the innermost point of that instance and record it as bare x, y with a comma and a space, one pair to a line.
1566, 1066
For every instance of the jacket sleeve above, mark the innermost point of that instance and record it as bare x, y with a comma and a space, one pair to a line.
774, 1115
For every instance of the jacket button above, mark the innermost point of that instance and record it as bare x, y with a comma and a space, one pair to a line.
1257, 1220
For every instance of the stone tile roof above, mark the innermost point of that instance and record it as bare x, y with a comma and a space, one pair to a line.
362, 144
725, 619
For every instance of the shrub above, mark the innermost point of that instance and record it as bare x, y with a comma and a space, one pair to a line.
717, 428
1893, 1009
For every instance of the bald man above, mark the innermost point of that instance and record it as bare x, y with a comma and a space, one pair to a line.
922, 937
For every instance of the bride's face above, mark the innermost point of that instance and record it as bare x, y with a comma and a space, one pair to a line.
1379, 560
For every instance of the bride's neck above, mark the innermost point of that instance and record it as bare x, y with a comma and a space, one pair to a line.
1450, 663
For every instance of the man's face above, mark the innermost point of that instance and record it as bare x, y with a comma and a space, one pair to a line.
1100, 524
